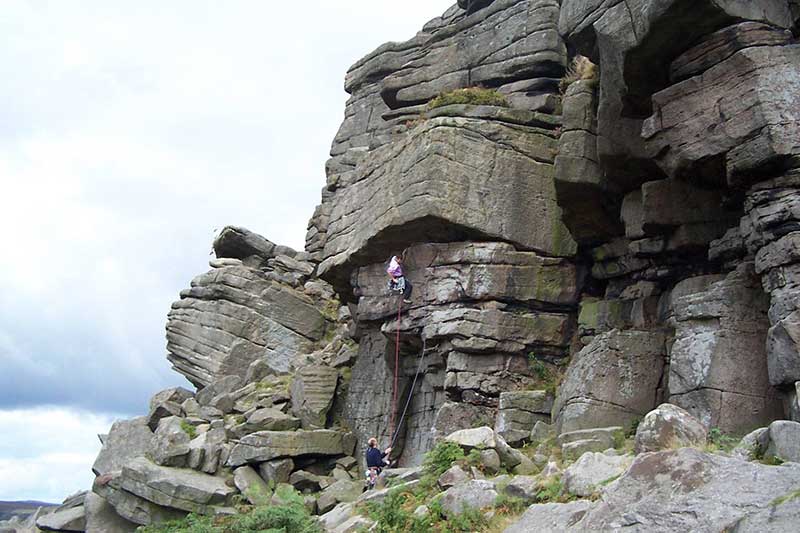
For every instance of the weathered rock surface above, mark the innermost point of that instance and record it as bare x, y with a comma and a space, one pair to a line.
175, 488
251, 485
519, 411
312, 394
668, 426
611, 382
102, 518
232, 316
71, 516
266, 445
551, 517
592, 471
784, 441
126, 440
718, 369
474, 494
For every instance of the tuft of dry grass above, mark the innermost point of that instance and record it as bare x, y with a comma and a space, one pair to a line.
581, 68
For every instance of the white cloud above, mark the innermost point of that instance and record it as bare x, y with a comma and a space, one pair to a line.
47, 453
129, 132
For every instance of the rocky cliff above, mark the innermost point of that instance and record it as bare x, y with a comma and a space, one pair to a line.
608, 245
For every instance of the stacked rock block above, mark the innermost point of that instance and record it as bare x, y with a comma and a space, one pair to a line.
482, 309
468, 191
675, 176
256, 305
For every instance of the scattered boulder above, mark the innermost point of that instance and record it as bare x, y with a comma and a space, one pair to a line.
306, 481
176, 488
163, 410
523, 487
576, 443
266, 419
313, 389
482, 437
455, 475
588, 474
784, 441
126, 440
752, 445
251, 485
474, 494
668, 426
170, 445
276, 471
551, 517
101, 517
266, 445
343, 491
519, 411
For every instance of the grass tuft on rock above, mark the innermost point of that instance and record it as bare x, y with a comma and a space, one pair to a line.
442, 457
469, 96
188, 429
581, 68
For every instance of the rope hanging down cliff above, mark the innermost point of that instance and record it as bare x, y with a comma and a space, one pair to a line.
394, 430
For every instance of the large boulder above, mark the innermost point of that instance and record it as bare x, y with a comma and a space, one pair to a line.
474, 494
234, 315
129, 506
176, 488
126, 440
592, 471
252, 486
102, 518
482, 437
519, 411
312, 391
668, 426
266, 445
784, 441
718, 362
688, 490
611, 382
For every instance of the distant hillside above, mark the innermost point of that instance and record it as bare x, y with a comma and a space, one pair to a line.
21, 509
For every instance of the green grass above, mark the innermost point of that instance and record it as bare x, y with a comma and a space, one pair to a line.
189, 429
471, 96
442, 457
547, 378
718, 441
785, 498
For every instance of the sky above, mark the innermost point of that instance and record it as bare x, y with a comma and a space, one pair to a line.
130, 133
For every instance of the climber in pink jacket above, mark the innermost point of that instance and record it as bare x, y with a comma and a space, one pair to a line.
398, 281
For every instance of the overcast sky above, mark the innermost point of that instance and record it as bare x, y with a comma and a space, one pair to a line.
129, 133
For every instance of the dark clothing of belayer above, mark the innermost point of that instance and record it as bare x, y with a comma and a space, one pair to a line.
375, 458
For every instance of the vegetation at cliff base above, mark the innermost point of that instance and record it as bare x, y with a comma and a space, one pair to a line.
291, 517
471, 96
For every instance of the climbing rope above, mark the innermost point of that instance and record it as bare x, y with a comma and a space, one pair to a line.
396, 369
411, 391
